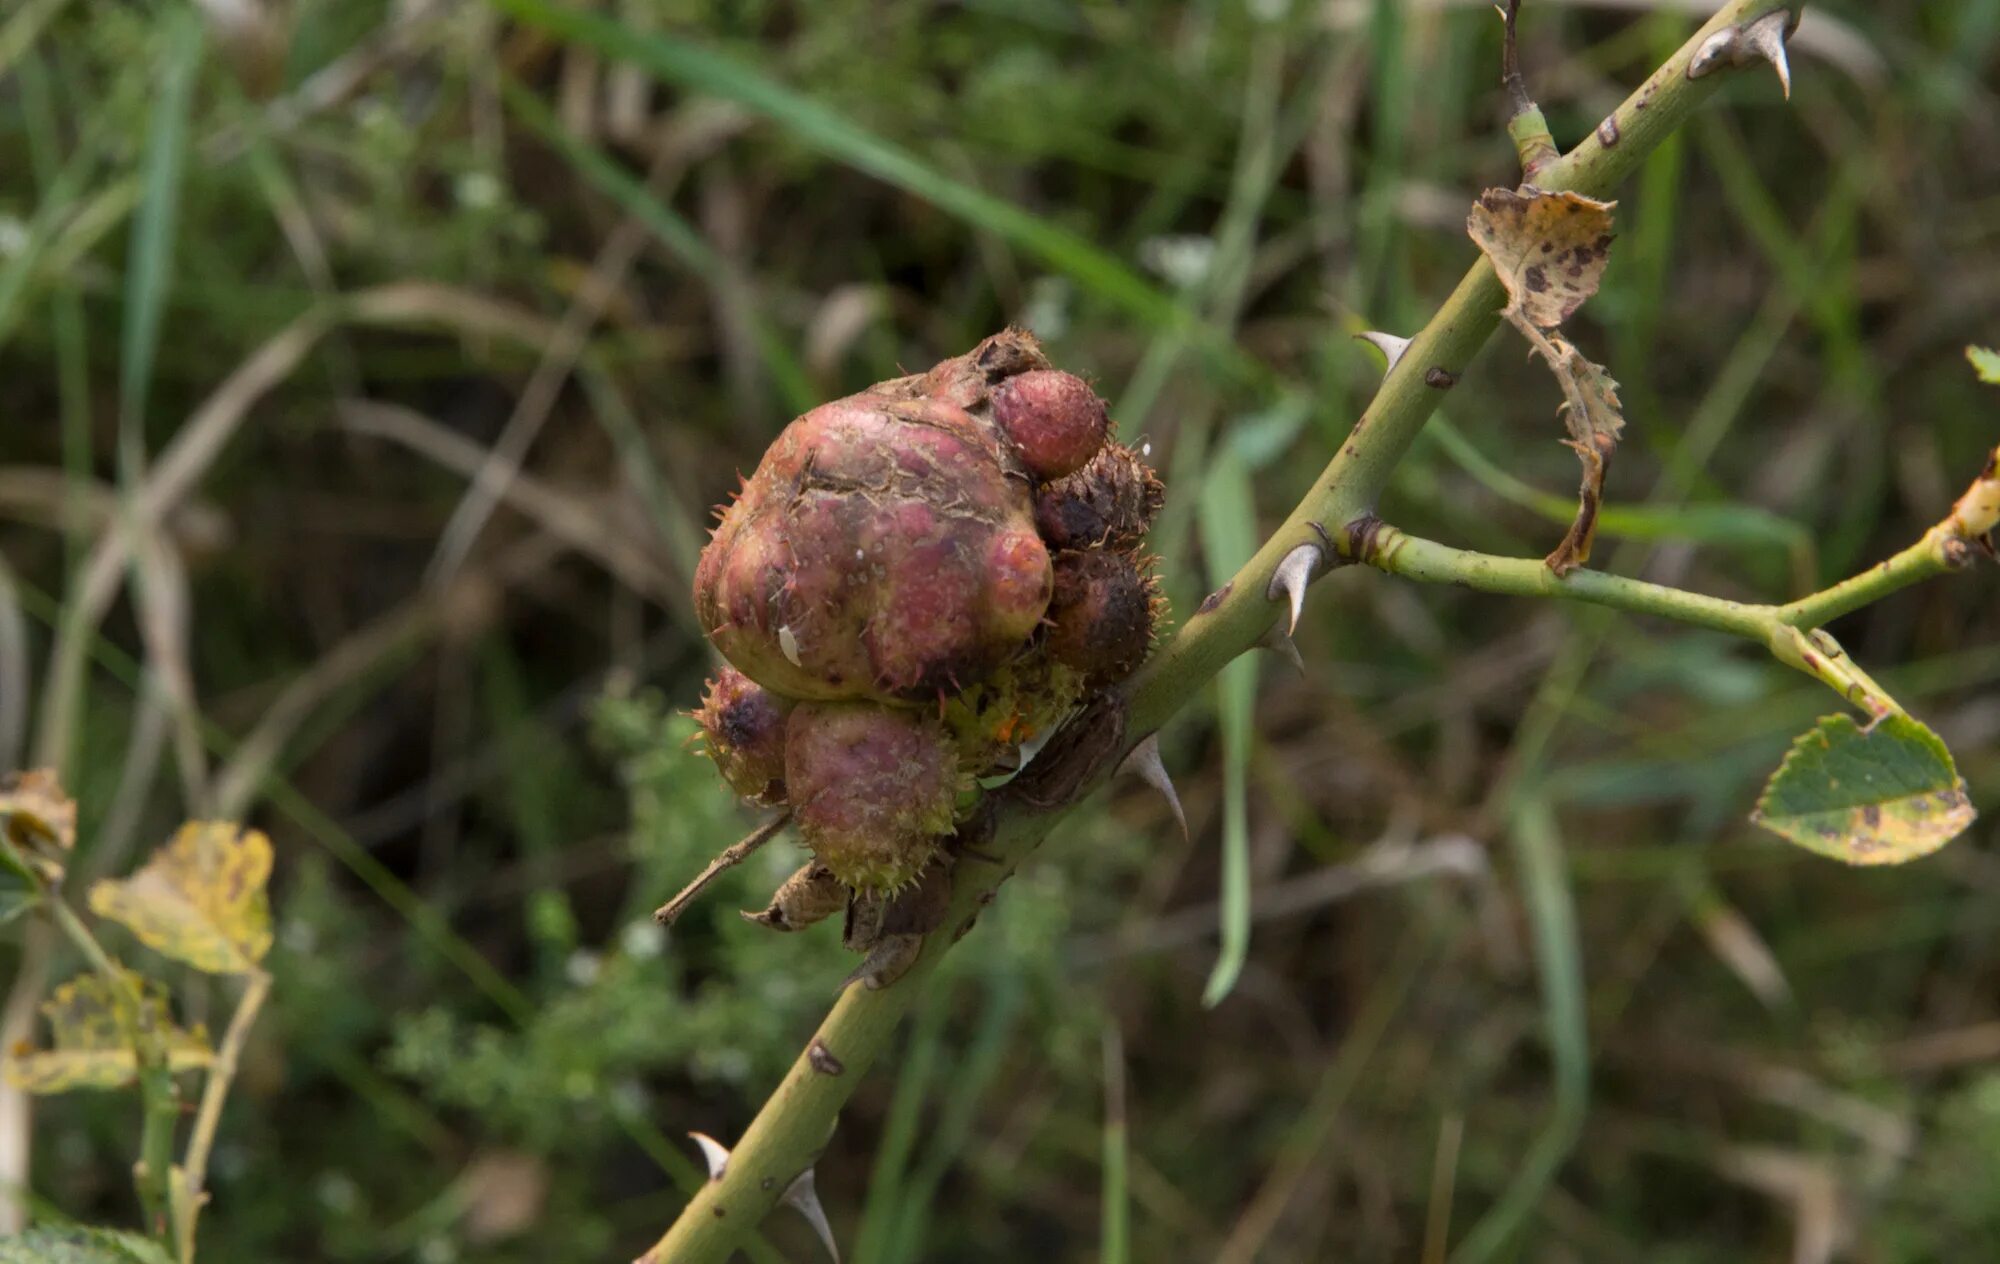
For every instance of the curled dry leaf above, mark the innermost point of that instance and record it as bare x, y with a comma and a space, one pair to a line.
92, 1026
1591, 411
1550, 251
200, 899
39, 820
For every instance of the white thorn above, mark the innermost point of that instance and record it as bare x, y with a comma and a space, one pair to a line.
804, 1198
1291, 578
1389, 345
1738, 45
1145, 762
715, 1152
1766, 37
1284, 647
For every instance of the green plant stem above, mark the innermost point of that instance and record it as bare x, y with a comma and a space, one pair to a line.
186, 1191
1931, 556
157, 1092
1399, 553
1777, 628
797, 1118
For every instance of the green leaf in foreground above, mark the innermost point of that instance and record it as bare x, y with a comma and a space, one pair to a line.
1875, 796
1985, 362
75, 1244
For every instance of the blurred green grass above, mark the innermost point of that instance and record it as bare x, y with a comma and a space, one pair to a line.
480, 1049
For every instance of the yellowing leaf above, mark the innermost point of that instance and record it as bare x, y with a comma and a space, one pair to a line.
1875, 796
39, 820
93, 1026
200, 899
1985, 362
1549, 248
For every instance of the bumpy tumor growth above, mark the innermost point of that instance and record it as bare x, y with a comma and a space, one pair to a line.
917, 581
872, 789
885, 548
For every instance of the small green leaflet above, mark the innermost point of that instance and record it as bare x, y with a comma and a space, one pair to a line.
1985, 362
1875, 796
77, 1244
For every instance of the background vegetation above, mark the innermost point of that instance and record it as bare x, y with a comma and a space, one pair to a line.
464, 330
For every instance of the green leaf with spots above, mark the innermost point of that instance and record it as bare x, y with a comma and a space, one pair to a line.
1875, 796
1985, 362
79, 1244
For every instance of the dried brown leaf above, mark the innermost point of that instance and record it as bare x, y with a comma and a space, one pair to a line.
1549, 248
1591, 411
39, 820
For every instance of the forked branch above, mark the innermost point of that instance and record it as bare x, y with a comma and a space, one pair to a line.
795, 1122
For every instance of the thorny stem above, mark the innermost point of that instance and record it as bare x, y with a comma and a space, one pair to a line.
186, 1191
795, 1122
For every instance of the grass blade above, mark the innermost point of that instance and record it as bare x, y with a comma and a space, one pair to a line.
675, 233
707, 71
150, 273
1228, 537
1559, 963
1115, 1235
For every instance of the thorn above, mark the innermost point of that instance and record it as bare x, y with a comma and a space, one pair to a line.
1388, 344
1766, 38
1291, 578
715, 1152
889, 960
1284, 647
1739, 45
1146, 764
803, 1197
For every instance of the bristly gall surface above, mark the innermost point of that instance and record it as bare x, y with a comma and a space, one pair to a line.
743, 731
1101, 618
1109, 503
873, 789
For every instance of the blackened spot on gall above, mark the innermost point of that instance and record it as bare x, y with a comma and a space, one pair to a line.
1214, 599
1535, 279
